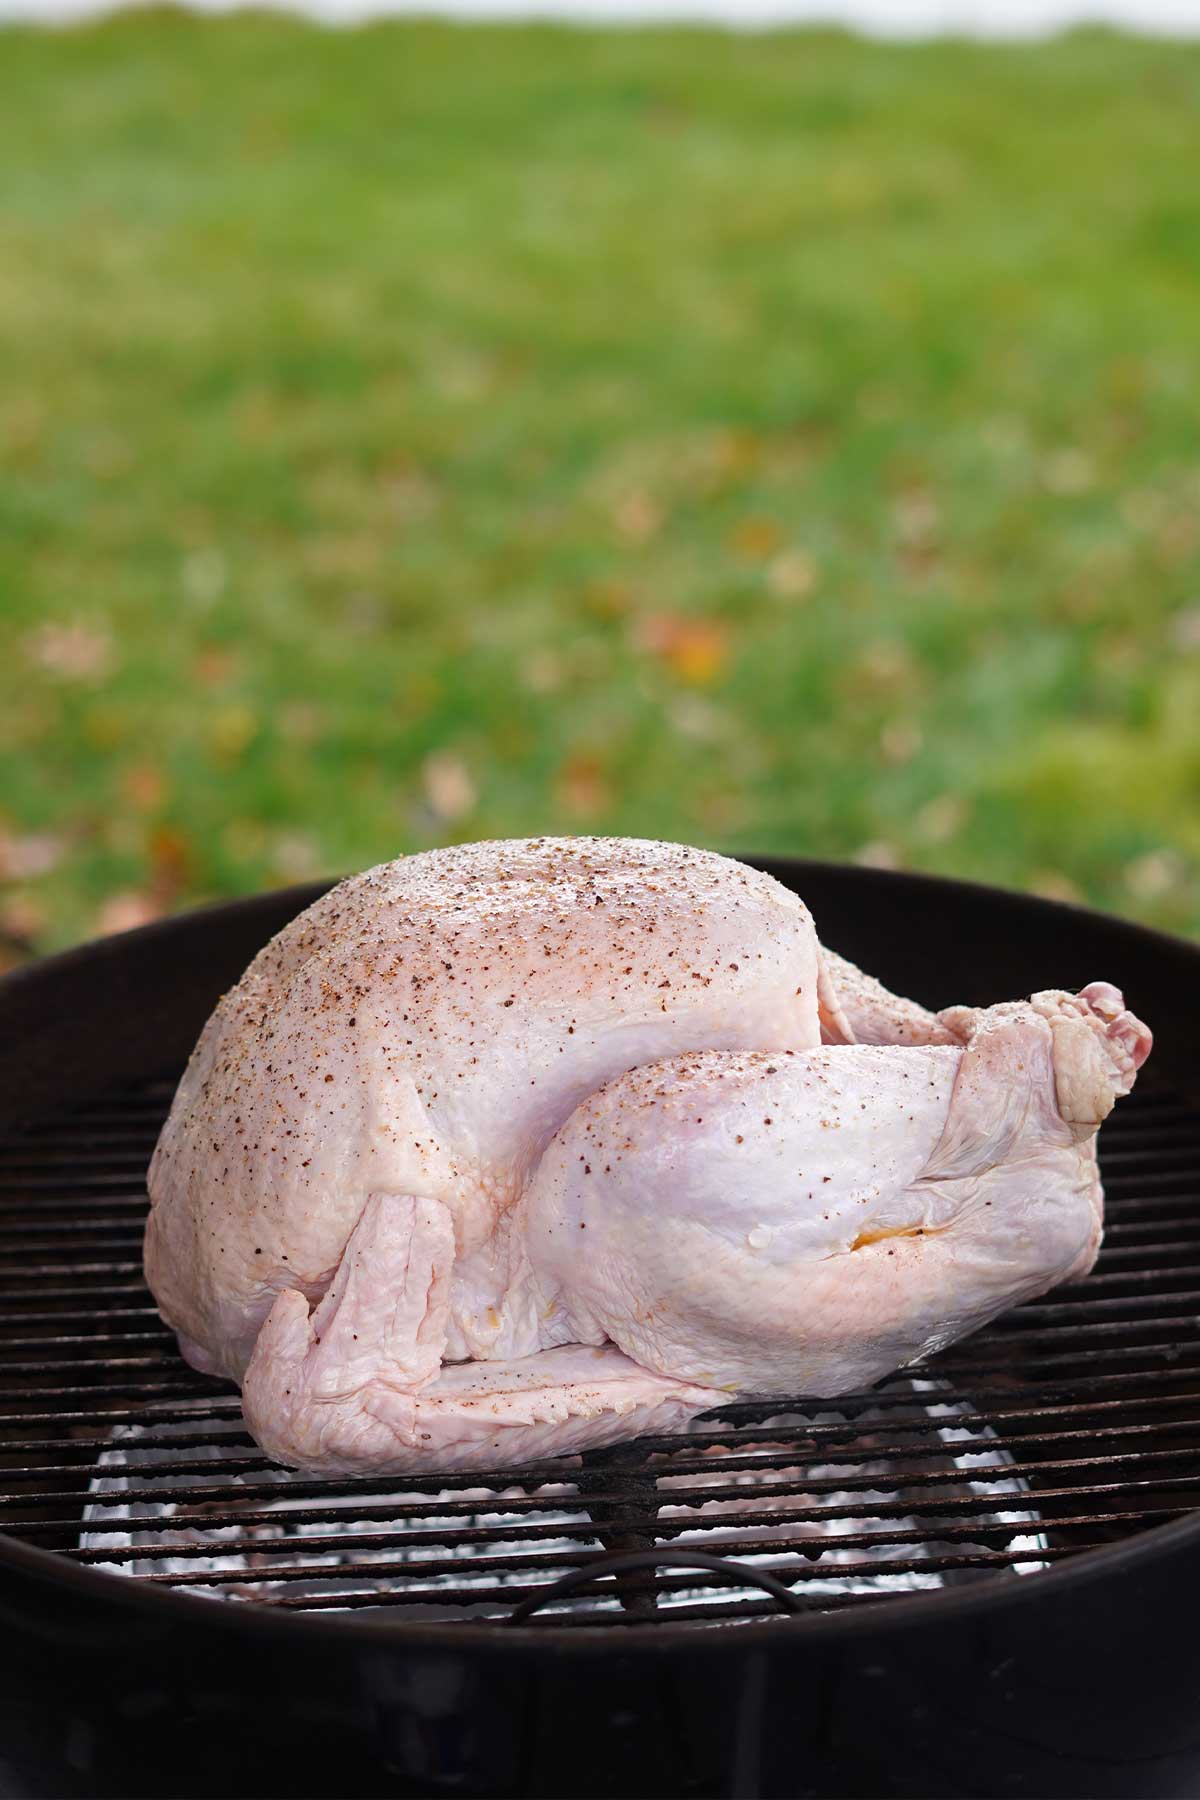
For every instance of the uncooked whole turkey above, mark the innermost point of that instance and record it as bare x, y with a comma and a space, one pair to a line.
514, 1148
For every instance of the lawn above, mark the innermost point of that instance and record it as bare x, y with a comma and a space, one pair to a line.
420, 433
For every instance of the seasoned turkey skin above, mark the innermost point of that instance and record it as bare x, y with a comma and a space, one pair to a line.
424, 1029
511, 1148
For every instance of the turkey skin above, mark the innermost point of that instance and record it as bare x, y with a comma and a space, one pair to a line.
511, 1149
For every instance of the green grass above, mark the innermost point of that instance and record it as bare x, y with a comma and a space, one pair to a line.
422, 433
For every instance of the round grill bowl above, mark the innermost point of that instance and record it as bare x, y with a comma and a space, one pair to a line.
1007, 1608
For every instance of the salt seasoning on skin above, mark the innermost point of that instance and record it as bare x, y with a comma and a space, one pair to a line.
411, 1046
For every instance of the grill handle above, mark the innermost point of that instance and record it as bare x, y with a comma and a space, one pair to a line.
651, 1559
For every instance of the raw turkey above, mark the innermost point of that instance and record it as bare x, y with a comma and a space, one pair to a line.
506, 1150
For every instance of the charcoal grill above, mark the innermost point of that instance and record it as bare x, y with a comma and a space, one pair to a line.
980, 1577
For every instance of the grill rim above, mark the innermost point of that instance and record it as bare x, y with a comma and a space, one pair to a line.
372, 1627
20, 993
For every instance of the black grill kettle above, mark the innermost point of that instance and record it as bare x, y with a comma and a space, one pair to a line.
1082, 1678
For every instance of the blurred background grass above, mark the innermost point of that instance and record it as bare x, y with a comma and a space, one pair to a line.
419, 433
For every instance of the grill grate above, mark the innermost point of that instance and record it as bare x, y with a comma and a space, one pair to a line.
1071, 1423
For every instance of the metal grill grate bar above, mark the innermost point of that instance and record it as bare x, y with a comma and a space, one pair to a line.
1070, 1424
847, 1455
784, 1459
770, 1523
227, 1405
552, 1565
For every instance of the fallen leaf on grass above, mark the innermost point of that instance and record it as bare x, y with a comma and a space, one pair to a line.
1052, 884
732, 455
1185, 629
1179, 537
25, 858
608, 599
791, 575
295, 856
900, 741
75, 651
213, 665
125, 911
692, 716
449, 789
22, 922
916, 516
720, 810
886, 668
696, 650
582, 788
410, 494
942, 818
245, 840
543, 672
171, 860
877, 855
755, 538
144, 786
300, 721
1152, 876
637, 516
